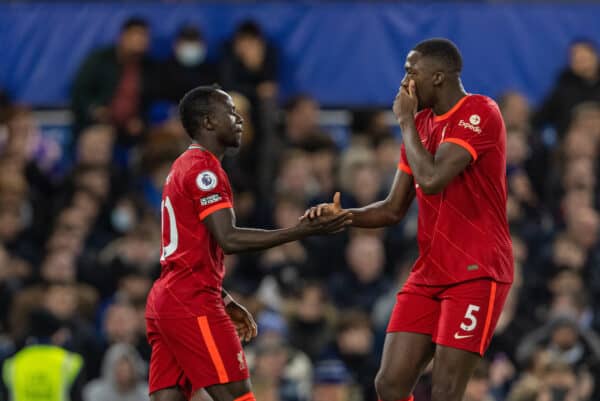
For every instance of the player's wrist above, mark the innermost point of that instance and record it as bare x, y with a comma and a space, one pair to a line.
405, 119
303, 229
227, 299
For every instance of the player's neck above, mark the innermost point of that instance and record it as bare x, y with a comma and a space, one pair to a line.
215, 149
447, 101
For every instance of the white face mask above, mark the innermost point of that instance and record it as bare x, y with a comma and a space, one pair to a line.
122, 220
190, 54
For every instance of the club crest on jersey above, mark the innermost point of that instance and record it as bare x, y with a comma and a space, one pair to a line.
206, 180
474, 119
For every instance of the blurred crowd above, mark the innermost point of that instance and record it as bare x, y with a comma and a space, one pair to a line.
79, 245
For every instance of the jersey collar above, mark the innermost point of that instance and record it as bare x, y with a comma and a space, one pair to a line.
452, 110
196, 146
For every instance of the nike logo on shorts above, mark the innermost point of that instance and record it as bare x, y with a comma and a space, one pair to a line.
459, 337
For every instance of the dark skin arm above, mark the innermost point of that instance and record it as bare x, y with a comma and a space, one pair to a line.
379, 214
432, 173
233, 239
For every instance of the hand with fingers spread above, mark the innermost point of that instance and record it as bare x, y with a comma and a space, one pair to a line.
243, 321
324, 209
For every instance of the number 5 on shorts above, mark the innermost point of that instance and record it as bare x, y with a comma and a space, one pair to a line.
471, 318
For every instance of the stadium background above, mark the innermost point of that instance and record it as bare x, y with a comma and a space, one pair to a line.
80, 184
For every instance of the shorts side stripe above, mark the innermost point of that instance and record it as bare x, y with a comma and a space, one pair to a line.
246, 397
488, 318
212, 349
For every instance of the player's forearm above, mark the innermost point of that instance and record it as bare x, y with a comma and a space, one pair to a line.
422, 163
375, 215
250, 239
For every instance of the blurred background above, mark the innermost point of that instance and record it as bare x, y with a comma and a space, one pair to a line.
88, 130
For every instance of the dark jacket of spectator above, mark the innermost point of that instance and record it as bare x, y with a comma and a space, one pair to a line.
569, 91
185, 69
96, 83
248, 61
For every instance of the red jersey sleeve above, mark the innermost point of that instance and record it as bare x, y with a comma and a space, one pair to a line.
208, 187
476, 129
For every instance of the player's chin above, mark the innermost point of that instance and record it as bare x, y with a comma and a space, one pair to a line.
233, 148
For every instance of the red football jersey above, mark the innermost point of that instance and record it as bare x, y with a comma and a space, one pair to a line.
191, 260
463, 231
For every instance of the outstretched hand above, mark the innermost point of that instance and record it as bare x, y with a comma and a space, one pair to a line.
324, 209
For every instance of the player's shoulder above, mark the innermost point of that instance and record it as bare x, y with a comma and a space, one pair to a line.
478, 110
481, 104
203, 170
195, 160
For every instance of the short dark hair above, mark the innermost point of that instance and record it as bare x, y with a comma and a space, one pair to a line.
134, 22
195, 105
189, 32
584, 41
249, 28
442, 49
297, 100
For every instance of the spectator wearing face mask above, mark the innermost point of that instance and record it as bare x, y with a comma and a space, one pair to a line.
185, 69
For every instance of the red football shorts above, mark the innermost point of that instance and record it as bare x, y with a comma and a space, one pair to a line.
193, 353
462, 315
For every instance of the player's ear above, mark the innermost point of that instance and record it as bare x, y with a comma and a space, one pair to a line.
438, 78
208, 122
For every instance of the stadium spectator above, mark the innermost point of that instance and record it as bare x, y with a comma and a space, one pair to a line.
122, 377
311, 320
301, 128
478, 387
58, 377
284, 265
110, 85
387, 158
249, 64
332, 382
324, 157
186, 67
279, 371
564, 341
295, 178
121, 324
579, 82
155, 158
369, 127
364, 281
353, 345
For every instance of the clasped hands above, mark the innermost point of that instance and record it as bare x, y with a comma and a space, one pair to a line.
330, 215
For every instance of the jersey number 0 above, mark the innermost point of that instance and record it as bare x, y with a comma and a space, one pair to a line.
173, 236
